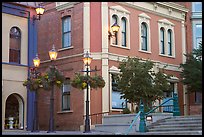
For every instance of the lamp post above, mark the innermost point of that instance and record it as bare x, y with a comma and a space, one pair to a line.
87, 61
36, 62
53, 56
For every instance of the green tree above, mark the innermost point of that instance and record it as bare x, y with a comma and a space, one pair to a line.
192, 70
137, 81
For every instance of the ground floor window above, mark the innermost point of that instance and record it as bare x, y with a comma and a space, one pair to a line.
117, 101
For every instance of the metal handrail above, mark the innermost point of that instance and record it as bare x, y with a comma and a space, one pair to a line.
158, 106
130, 127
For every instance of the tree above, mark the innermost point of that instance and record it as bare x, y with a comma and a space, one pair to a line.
192, 70
137, 81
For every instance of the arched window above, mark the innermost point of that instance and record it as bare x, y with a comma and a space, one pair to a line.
144, 36
66, 32
162, 40
124, 32
15, 45
115, 39
169, 42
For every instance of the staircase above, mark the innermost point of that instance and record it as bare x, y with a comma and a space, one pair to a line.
177, 125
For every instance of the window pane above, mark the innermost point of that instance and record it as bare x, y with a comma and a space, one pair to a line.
123, 32
198, 97
198, 30
144, 36
66, 102
162, 40
69, 39
65, 37
117, 102
197, 6
14, 45
65, 23
169, 42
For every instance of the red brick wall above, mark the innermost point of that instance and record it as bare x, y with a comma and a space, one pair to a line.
49, 33
196, 109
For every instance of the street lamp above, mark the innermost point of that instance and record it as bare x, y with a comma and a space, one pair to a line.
53, 56
39, 11
115, 28
36, 62
87, 61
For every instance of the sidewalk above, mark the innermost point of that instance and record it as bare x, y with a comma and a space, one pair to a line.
23, 132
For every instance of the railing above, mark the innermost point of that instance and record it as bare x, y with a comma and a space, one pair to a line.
96, 116
176, 112
130, 127
142, 114
159, 106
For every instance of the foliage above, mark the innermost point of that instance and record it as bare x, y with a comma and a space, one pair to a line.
192, 70
52, 77
137, 81
33, 84
126, 111
80, 81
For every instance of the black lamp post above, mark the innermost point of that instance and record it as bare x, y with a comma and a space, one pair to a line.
36, 62
53, 56
87, 61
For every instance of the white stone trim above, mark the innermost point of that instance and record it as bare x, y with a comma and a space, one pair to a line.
104, 56
183, 33
146, 19
65, 5
169, 10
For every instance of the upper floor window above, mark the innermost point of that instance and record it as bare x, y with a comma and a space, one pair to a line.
144, 33
169, 42
122, 16
115, 38
15, 45
66, 32
66, 88
144, 36
196, 6
123, 22
166, 39
198, 35
162, 40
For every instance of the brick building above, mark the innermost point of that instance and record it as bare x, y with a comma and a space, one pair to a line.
149, 30
193, 37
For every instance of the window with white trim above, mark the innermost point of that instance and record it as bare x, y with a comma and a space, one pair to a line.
66, 32
115, 38
162, 40
166, 38
144, 33
123, 35
15, 45
66, 88
124, 32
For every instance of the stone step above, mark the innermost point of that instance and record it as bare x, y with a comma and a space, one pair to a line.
114, 128
177, 125
198, 132
170, 129
176, 122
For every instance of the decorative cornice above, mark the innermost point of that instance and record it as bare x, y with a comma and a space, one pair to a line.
65, 5
165, 9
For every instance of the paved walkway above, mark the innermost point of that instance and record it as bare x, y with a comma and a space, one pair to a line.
23, 132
